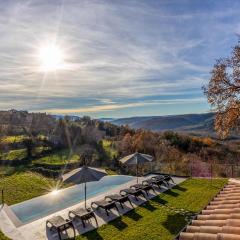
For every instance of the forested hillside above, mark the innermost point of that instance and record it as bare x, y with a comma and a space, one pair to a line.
50, 145
191, 123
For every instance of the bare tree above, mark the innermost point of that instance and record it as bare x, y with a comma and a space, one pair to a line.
223, 92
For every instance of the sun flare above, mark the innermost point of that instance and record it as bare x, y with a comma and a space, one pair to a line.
55, 192
51, 58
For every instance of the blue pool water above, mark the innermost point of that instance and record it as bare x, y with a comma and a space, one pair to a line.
39, 207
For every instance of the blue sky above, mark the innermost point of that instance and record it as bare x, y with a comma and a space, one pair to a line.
126, 57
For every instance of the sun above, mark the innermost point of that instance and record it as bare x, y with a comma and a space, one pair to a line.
55, 192
51, 58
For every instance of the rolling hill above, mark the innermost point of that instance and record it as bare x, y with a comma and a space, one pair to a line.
197, 123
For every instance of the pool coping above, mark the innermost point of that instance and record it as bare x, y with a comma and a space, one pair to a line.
12, 216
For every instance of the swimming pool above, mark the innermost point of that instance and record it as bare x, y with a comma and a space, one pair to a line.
39, 207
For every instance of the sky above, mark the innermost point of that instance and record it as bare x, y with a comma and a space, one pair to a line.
121, 58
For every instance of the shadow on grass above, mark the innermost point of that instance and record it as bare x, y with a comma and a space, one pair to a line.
171, 193
149, 206
180, 188
93, 235
175, 222
159, 200
133, 215
118, 223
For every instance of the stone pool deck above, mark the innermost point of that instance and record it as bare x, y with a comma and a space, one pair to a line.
37, 230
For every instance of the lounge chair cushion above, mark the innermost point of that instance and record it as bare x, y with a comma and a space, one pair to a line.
103, 203
57, 221
115, 197
130, 190
81, 211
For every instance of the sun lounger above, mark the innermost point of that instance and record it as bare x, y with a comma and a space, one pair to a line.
144, 187
155, 182
166, 178
119, 198
104, 204
59, 224
83, 215
133, 192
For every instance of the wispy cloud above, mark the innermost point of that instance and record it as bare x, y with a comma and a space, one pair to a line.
117, 52
111, 107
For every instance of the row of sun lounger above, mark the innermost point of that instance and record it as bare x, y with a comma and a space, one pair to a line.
59, 224
219, 220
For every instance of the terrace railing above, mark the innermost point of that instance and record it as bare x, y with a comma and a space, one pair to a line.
199, 169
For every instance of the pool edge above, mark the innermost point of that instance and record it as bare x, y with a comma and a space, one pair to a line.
12, 216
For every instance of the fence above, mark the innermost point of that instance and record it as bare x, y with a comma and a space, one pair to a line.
199, 169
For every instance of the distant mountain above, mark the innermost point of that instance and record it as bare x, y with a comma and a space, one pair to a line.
202, 124
107, 119
197, 123
71, 118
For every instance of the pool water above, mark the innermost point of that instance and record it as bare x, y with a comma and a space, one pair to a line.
39, 207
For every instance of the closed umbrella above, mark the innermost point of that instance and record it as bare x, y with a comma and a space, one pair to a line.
83, 175
136, 159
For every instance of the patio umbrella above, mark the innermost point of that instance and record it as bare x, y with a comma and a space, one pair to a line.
83, 175
136, 159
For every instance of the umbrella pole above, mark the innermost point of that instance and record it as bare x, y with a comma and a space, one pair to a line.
85, 190
137, 173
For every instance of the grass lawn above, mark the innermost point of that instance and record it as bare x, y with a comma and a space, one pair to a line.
22, 186
18, 154
12, 139
162, 217
19, 139
109, 150
59, 158
110, 171
3, 237
40, 150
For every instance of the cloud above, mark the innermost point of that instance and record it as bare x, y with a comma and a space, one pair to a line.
111, 107
116, 52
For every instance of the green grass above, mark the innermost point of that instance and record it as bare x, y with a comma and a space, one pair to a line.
110, 171
109, 150
18, 154
19, 139
13, 139
40, 150
59, 158
162, 217
22, 186
3, 237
